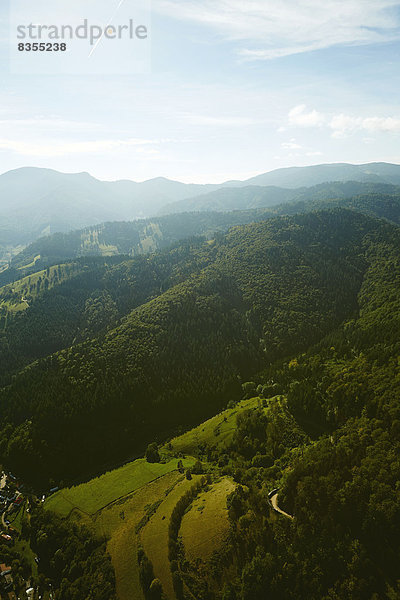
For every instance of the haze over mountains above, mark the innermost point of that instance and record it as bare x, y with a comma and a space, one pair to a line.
257, 197
36, 202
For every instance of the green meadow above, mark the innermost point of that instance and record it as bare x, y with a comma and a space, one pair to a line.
217, 431
92, 496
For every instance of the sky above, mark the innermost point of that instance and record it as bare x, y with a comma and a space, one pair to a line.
234, 88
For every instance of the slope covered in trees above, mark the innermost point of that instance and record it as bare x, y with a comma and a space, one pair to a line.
260, 293
304, 312
342, 488
254, 196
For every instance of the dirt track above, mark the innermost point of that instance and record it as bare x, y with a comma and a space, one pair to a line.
274, 502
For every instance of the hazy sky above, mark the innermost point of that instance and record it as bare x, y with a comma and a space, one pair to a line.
236, 88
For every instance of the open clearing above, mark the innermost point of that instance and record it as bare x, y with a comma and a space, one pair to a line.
96, 494
155, 536
205, 525
31, 264
13, 295
118, 520
217, 431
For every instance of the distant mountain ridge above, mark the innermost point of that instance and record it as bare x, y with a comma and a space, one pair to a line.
294, 177
35, 202
253, 196
158, 233
32, 200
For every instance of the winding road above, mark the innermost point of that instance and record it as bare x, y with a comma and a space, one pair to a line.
274, 502
3, 520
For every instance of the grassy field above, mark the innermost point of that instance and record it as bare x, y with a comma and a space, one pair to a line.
90, 244
119, 522
23, 547
97, 493
114, 505
31, 264
17, 296
217, 431
206, 524
155, 536
17, 518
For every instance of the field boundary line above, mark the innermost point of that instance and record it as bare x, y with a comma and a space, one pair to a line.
96, 512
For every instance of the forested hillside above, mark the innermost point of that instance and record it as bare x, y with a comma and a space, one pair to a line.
342, 487
292, 326
230, 307
131, 238
65, 304
36, 201
253, 196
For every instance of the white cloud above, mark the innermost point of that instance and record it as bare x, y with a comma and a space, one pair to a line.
297, 150
299, 117
282, 27
342, 125
381, 124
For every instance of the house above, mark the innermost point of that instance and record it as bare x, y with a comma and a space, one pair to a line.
4, 570
6, 578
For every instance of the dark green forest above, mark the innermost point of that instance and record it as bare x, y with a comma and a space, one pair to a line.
342, 485
230, 306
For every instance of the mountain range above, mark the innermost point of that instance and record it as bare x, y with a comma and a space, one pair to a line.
154, 234
37, 202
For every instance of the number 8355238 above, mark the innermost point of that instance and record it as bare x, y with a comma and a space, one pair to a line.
42, 47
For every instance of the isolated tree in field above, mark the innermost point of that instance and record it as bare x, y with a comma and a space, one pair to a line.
197, 468
152, 455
